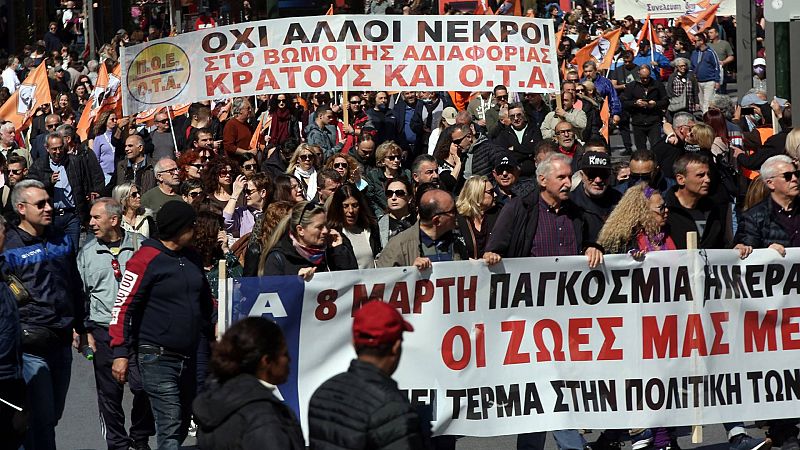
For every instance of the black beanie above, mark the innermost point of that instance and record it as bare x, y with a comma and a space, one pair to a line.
173, 217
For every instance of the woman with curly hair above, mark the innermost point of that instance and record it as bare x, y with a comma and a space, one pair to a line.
344, 164
218, 182
106, 140
477, 213
211, 243
636, 225
191, 165
262, 232
389, 160
302, 166
241, 409
135, 218
349, 214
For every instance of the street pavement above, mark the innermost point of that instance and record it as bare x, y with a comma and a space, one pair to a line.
79, 429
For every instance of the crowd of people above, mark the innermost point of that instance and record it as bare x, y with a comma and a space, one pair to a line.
111, 243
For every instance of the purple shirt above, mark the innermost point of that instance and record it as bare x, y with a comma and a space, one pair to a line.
241, 222
555, 235
104, 152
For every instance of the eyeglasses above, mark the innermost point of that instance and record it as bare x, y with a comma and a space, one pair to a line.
394, 157
516, 116
662, 207
40, 204
489, 192
305, 157
788, 175
249, 167
173, 171
340, 165
117, 271
400, 193
136, 194
567, 132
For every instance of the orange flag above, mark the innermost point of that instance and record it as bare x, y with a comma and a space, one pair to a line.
601, 50
694, 24
330, 11
31, 94
604, 117
482, 8
263, 124
648, 33
148, 116
560, 33
106, 96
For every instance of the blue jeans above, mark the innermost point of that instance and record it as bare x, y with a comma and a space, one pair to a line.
566, 440
70, 224
169, 382
47, 380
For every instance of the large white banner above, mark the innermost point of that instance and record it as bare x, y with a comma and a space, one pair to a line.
668, 9
544, 343
335, 53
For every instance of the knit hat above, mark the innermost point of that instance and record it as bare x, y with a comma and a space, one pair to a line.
173, 217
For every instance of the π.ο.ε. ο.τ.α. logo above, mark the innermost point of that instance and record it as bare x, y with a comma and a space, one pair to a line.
158, 73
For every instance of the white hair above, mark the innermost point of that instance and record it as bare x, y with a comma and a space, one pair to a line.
545, 167
769, 168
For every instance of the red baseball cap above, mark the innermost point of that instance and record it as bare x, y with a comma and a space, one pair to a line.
377, 323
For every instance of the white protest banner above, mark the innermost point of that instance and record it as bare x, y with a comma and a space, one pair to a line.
337, 53
669, 9
544, 343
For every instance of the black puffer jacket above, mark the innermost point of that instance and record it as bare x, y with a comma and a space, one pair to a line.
759, 227
363, 409
243, 414
717, 231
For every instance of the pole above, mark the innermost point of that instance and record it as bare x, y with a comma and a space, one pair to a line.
745, 48
691, 244
172, 131
652, 43
346, 108
89, 25
222, 300
794, 67
608, 10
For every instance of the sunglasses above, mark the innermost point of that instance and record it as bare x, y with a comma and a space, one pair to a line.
516, 116
205, 159
39, 205
394, 157
458, 141
305, 157
501, 97
400, 193
452, 212
15, 171
174, 170
197, 166
309, 206
136, 194
162, 121
662, 207
788, 175
194, 194
117, 271
635, 177
247, 191
225, 172
249, 167
340, 165
52, 126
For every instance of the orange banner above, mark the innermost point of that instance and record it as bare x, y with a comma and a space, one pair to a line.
31, 94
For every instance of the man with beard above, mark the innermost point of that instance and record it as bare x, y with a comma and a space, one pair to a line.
381, 117
567, 143
594, 195
496, 116
645, 99
520, 137
505, 174
17, 171
604, 88
567, 112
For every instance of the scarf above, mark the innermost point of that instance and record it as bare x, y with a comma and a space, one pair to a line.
279, 129
315, 256
309, 179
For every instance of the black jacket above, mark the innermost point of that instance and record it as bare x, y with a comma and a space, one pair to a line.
383, 122
363, 409
243, 414
168, 302
645, 116
464, 227
595, 210
716, 233
283, 259
399, 112
418, 125
759, 228
82, 179
484, 155
513, 233
507, 139
10, 334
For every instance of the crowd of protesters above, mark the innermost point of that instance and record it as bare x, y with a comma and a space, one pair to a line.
111, 243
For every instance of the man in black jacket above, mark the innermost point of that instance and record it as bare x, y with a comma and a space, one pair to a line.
520, 137
645, 99
595, 196
163, 306
377, 414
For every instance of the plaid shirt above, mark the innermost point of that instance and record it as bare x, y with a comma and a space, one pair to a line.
555, 235
684, 86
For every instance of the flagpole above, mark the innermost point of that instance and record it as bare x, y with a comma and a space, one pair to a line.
172, 131
652, 42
